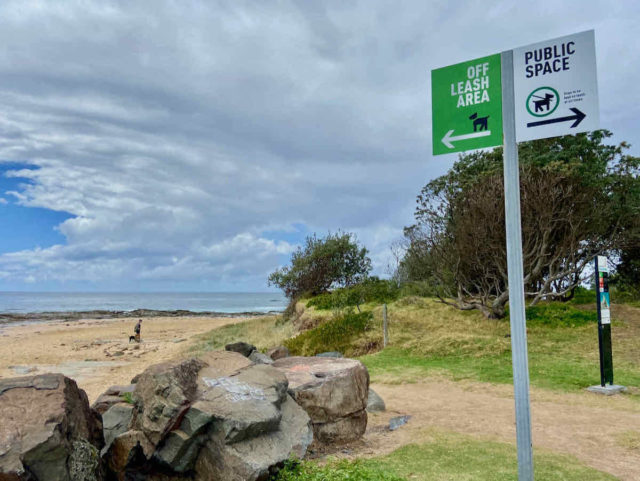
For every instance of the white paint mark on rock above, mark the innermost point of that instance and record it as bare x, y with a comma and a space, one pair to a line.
236, 390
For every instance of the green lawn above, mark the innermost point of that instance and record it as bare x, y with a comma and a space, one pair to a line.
448, 457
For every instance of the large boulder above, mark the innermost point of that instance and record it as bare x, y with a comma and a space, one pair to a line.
163, 394
333, 391
48, 432
217, 417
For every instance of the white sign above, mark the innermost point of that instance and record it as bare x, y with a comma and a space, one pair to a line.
556, 87
603, 266
605, 316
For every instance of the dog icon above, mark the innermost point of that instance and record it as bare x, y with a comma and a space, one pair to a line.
479, 123
543, 102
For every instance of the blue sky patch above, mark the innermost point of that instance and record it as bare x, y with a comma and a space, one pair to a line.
25, 227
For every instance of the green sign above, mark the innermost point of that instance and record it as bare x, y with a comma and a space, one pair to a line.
466, 103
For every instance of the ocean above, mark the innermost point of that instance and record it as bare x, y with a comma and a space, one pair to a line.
224, 302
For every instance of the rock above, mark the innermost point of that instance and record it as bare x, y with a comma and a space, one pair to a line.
162, 396
332, 391
278, 353
330, 354
111, 396
241, 347
395, 423
115, 421
260, 358
375, 404
217, 417
84, 462
119, 390
48, 431
23, 369
128, 454
254, 459
246, 404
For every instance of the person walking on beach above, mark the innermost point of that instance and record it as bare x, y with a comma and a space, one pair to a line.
137, 330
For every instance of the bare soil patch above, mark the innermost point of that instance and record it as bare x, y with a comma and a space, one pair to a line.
586, 426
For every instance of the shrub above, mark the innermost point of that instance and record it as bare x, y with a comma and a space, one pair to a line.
323, 263
333, 335
557, 314
371, 290
582, 295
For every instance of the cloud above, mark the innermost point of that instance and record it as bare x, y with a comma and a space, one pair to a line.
177, 134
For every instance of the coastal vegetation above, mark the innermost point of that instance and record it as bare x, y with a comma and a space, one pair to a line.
580, 197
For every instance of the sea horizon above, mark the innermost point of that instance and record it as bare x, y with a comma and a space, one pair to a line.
25, 302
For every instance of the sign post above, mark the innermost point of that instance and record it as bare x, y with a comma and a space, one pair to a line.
542, 90
517, 317
603, 303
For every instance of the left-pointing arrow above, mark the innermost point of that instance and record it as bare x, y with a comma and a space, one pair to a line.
449, 137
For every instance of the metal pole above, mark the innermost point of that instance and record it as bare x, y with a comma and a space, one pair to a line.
516, 274
385, 325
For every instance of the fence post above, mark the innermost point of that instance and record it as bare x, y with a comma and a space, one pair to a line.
385, 325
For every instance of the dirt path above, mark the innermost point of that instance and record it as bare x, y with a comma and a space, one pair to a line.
586, 426
97, 353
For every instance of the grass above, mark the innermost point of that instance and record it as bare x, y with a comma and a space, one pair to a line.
334, 335
629, 440
263, 332
447, 457
429, 338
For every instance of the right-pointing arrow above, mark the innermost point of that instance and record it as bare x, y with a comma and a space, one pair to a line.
577, 117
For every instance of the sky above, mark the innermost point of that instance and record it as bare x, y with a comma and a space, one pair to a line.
192, 145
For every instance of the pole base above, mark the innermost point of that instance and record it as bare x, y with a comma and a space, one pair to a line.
608, 390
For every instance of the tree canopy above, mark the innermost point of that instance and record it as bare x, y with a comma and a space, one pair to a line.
579, 198
336, 260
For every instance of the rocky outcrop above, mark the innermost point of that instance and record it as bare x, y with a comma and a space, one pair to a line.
48, 432
332, 391
218, 417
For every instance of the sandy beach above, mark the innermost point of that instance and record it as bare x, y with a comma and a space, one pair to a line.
96, 352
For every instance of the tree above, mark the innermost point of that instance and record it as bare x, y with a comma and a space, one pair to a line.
579, 198
323, 263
